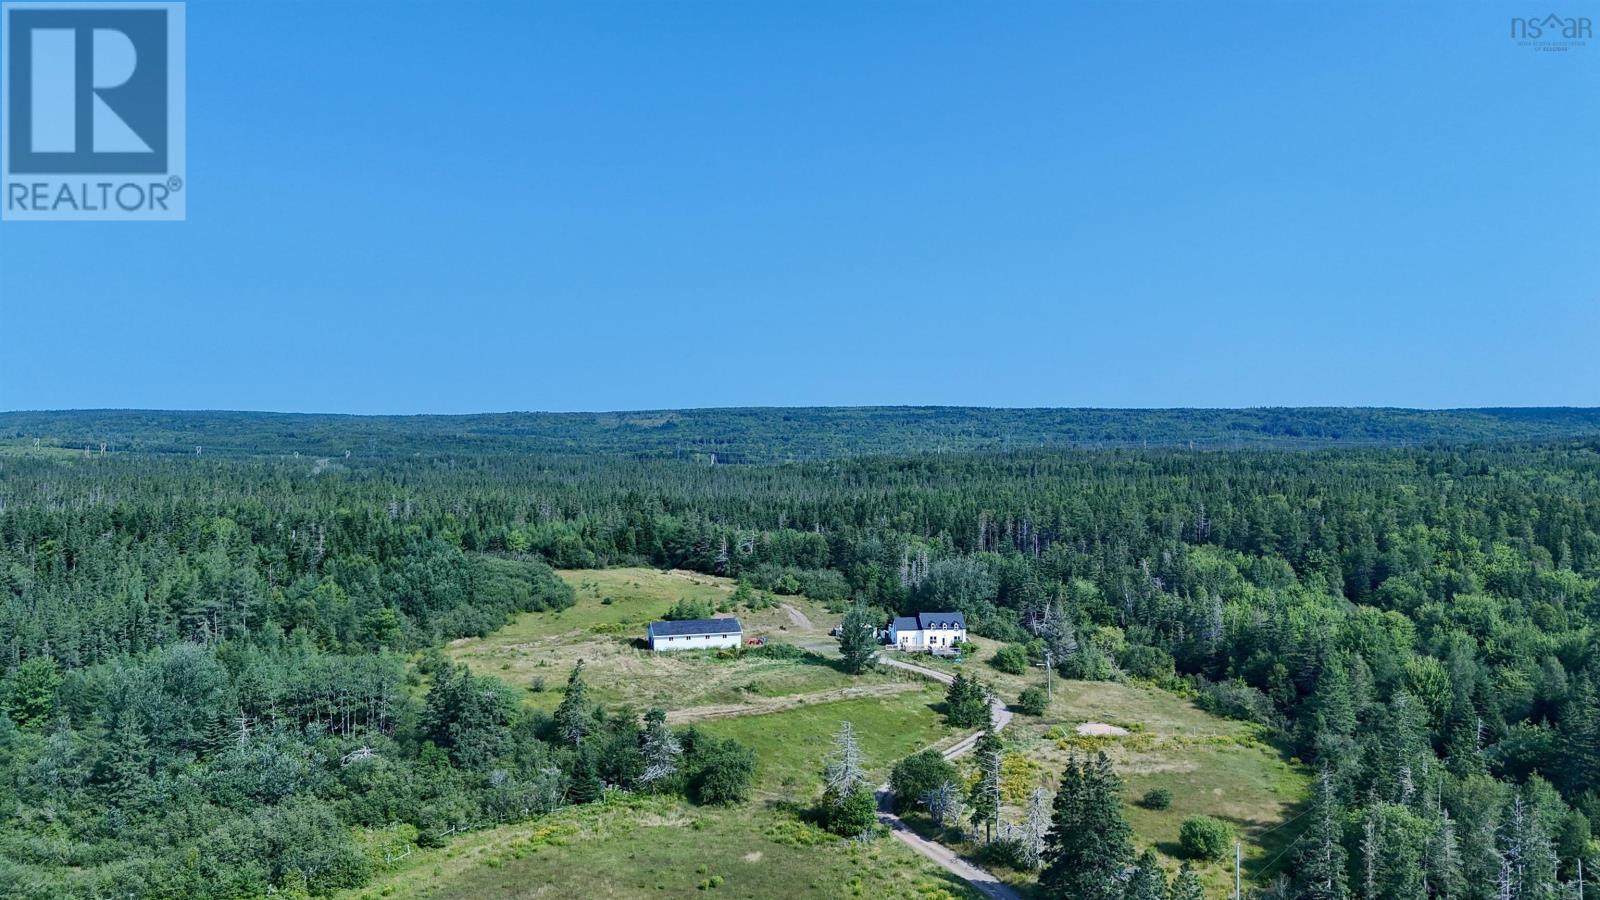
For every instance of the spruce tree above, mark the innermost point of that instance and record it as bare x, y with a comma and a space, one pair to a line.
574, 718
858, 642
984, 798
1148, 881
660, 749
1320, 874
1088, 849
1187, 885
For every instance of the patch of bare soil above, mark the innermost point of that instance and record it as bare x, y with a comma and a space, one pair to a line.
1101, 728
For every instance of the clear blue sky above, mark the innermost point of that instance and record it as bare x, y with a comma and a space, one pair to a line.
457, 207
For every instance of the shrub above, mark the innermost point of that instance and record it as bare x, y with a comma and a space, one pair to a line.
1011, 659
720, 770
1156, 798
851, 814
1203, 837
917, 774
1147, 662
1007, 852
1033, 701
1238, 700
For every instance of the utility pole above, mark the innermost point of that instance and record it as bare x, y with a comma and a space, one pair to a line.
1050, 683
1238, 856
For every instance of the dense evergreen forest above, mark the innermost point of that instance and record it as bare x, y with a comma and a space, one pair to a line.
780, 435
215, 665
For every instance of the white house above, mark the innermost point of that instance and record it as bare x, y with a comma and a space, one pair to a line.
931, 632
695, 634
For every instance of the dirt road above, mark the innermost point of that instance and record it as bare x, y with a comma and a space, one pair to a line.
798, 618
983, 882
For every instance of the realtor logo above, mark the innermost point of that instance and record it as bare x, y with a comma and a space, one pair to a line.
92, 111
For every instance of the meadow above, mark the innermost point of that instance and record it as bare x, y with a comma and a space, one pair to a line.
1210, 765
636, 847
606, 628
788, 711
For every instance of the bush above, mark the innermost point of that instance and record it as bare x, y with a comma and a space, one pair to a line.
917, 774
1033, 701
1088, 664
1156, 798
1011, 659
720, 770
1203, 837
1006, 852
1238, 700
851, 814
1147, 662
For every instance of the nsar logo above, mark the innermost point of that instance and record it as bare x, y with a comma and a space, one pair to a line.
92, 125
1552, 33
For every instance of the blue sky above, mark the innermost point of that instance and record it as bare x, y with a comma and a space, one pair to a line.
432, 207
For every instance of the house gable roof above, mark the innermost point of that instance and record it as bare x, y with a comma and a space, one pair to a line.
692, 627
905, 623
929, 620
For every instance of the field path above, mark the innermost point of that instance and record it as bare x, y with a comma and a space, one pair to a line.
983, 882
798, 618
764, 705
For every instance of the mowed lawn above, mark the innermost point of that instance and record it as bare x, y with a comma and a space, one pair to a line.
791, 746
606, 629
663, 847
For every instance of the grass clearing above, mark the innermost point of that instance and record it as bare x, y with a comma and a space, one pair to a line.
1211, 765
663, 847
606, 628
791, 745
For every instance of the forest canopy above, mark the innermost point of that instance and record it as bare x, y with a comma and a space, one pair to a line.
217, 668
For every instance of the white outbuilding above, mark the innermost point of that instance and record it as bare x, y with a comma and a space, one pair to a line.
695, 634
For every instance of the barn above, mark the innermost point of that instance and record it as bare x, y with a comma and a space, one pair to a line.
695, 634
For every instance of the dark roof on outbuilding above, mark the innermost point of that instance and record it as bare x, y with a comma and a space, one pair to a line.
695, 626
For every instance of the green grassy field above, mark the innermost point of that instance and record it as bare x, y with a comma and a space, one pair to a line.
606, 627
661, 847
788, 711
791, 745
1213, 766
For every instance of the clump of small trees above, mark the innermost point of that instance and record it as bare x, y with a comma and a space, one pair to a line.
966, 703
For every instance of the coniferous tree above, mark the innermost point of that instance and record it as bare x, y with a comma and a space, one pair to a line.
583, 778
858, 641
1320, 874
966, 703
984, 798
1148, 881
1441, 859
574, 718
1088, 850
1187, 886
660, 748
